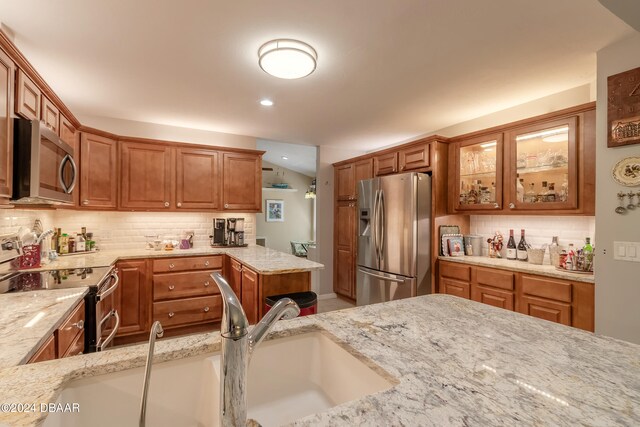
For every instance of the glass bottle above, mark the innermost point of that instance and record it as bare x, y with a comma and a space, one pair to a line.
544, 192
587, 250
463, 194
511, 247
54, 240
564, 190
522, 247
571, 258
530, 196
551, 195
520, 189
492, 192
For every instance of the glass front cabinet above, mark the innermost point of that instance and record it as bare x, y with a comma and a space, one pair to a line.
546, 165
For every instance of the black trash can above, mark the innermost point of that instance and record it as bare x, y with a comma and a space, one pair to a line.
307, 301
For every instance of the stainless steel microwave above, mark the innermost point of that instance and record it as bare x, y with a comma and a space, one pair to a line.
44, 170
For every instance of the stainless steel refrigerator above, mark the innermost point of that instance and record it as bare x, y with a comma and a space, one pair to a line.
394, 238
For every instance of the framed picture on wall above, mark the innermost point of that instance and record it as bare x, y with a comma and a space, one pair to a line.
624, 108
274, 211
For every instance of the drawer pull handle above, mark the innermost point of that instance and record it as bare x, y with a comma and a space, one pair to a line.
179, 204
171, 266
206, 263
206, 309
166, 204
171, 287
171, 314
206, 284
79, 324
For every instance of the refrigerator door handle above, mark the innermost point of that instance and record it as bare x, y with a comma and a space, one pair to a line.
382, 226
380, 276
374, 226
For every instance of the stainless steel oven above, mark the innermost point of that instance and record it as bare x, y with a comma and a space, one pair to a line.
44, 169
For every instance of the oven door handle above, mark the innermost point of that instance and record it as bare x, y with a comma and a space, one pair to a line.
113, 333
116, 280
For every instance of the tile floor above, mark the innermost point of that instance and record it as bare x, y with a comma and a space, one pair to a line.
332, 304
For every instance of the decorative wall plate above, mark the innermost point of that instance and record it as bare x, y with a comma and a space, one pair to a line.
627, 171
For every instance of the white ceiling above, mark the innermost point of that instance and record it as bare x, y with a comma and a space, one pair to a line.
299, 158
387, 70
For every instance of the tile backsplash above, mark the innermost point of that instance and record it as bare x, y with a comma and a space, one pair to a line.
538, 229
125, 230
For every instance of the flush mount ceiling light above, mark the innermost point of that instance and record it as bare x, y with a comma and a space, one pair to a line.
266, 102
287, 58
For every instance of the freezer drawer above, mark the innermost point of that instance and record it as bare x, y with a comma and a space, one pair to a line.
375, 286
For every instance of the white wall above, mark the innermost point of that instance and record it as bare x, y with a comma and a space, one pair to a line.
298, 211
618, 282
167, 133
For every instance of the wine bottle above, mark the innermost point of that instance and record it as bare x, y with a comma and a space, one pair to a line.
522, 247
511, 247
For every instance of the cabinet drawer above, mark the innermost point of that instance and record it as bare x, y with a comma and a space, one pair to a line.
455, 271
494, 278
385, 164
46, 352
70, 329
190, 310
181, 285
76, 347
495, 297
456, 288
414, 157
169, 265
553, 311
546, 288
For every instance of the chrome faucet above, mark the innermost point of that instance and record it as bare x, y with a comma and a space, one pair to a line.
238, 344
156, 331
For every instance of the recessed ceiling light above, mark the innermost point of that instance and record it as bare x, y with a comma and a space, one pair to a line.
266, 102
285, 158
287, 58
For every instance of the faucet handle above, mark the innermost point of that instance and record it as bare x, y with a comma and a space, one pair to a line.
234, 323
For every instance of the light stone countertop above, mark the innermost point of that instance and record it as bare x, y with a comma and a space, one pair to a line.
524, 267
456, 362
262, 260
18, 343
27, 319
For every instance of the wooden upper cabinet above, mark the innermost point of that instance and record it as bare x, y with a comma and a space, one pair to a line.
344, 249
242, 181
414, 157
385, 164
197, 179
7, 69
68, 132
28, 97
345, 182
98, 172
363, 170
50, 115
146, 175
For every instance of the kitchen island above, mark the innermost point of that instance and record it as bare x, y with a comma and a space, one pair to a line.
455, 361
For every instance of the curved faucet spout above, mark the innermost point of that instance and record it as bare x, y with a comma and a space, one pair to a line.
285, 308
234, 322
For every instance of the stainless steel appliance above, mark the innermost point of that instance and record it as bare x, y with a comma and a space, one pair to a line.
232, 235
218, 235
394, 238
44, 170
101, 318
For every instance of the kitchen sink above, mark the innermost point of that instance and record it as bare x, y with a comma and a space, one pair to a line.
289, 378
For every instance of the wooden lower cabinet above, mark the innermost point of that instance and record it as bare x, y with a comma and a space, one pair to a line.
188, 311
47, 351
249, 286
556, 300
67, 340
133, 297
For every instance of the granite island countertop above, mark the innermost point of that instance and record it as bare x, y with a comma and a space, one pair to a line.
456, 362
523, 267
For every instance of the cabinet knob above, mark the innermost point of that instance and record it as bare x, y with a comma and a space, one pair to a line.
206, 263
171, 287
496, 206
85, 202
206, 284
226, 205
512, 205
206, 309
171, 266
171, 314
166, 204
79, 324
179, 204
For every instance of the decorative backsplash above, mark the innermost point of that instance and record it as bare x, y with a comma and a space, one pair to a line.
125, 230
538, 229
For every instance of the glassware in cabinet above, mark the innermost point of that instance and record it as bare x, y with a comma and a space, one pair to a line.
543, 160
479, 173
